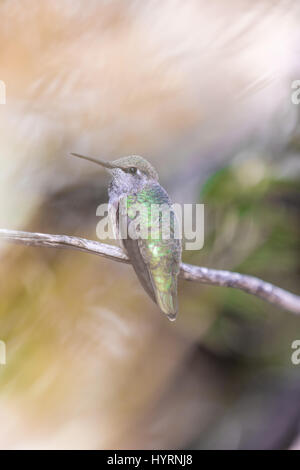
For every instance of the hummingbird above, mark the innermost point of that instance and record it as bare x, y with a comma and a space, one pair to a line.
155, 258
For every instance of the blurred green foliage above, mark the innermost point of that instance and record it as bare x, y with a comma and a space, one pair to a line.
251, 226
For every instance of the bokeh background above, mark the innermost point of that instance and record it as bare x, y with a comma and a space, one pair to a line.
203, 90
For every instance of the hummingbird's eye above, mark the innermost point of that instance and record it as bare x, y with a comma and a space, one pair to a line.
132, 170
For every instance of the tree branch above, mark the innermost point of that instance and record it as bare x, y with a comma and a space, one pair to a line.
252, 285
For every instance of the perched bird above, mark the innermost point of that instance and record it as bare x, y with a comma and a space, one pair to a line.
155, 253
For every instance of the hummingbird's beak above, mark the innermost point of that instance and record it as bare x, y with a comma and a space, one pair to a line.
107, 165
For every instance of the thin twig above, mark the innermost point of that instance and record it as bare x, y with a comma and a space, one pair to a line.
252, 285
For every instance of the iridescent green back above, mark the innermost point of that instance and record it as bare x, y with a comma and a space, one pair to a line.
156, 258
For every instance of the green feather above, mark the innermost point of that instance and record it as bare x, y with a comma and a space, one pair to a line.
159, 256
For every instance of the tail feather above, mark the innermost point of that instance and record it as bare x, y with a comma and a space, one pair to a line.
167, 302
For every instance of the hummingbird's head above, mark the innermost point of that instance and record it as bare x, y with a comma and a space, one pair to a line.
136, 166
127, 172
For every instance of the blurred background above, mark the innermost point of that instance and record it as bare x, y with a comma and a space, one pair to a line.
203, 90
